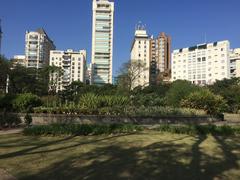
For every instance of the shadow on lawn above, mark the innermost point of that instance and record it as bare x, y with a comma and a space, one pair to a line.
162, 160
33, 150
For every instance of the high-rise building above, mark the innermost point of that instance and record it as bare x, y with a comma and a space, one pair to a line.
37, 48
102, 42
202, 64
235, 63
73, 65
160, 56
140, 57
163, 55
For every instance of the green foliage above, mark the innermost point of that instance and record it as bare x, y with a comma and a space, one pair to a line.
4, 71
229, 89
131, 111
9, 120
178, 91
6, 102
51, 101
28, 119
160, 111
81, 129
199, 129
24, 102
93, 102
205, 100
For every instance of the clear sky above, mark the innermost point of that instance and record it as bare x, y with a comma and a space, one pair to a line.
69, 22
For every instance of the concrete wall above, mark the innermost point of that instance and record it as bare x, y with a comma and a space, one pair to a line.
40, 119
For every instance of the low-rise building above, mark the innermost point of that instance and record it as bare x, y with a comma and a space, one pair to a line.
73, 65
202, 64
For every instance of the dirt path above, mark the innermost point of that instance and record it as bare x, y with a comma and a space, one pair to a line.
5, 175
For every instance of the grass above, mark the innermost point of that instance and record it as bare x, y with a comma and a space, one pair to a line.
143, 155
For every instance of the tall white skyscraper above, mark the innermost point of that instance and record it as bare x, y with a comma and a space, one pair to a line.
102, 42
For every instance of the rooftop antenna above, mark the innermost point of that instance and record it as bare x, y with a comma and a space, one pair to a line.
1, 36
205, 38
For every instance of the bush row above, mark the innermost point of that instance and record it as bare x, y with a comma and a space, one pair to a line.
81, 129
97, 129
199, 129
9, 120
123, 111
19, 103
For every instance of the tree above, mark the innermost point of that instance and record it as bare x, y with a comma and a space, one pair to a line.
4, 71
229, 89
206, 100
178, 91
129, 73
55, 73
31, 80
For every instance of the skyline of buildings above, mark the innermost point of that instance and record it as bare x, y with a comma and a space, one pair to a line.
102, 42
152, 56
201, 64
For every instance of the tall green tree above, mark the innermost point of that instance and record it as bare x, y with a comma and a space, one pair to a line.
229, 89
179, 90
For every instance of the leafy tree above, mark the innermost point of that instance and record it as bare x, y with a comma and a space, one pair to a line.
229, 89
178, 91
206, 100
4, 71
24, 102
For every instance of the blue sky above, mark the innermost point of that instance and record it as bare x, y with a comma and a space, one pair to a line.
69, 22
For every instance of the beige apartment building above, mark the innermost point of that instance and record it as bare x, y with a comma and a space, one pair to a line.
37, 48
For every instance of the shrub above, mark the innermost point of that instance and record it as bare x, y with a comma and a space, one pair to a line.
6, 102
9, 120
199, 129
23, 102
158, 111
205, 100
178, 91
81, 129
90, 101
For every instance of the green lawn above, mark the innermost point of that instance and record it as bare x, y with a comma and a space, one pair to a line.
146, 155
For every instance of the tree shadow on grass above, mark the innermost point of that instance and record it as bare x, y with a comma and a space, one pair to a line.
161, 160
33, 150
